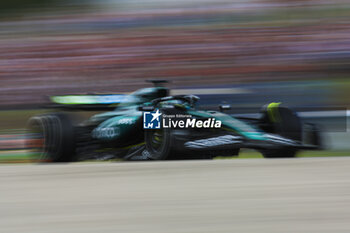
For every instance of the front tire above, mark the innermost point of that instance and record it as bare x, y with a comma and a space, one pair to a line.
286, 123
280, 153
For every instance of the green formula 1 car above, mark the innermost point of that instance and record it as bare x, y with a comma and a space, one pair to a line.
151, 125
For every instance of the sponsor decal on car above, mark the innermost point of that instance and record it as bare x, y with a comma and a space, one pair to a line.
109, 132
215, 141
157, 120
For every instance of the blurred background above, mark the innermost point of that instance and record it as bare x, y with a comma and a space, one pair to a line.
243, 52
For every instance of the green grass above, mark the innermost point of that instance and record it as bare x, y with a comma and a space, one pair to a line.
13, 156
15, 119
22, 156
250, 154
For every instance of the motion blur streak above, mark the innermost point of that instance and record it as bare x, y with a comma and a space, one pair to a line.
246, 53
263, 196
59, 47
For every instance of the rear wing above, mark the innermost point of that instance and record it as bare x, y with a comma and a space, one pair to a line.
86, 101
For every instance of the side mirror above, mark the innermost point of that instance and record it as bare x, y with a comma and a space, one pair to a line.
224, 107
146, 108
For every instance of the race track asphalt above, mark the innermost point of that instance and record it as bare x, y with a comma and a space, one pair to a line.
247, 195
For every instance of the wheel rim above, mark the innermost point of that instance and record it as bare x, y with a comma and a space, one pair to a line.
157, 139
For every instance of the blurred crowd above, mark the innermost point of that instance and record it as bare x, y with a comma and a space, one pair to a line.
79, 47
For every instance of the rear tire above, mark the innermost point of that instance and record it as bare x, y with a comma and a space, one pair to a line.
55, 136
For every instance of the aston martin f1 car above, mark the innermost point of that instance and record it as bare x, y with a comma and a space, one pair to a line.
175, 130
